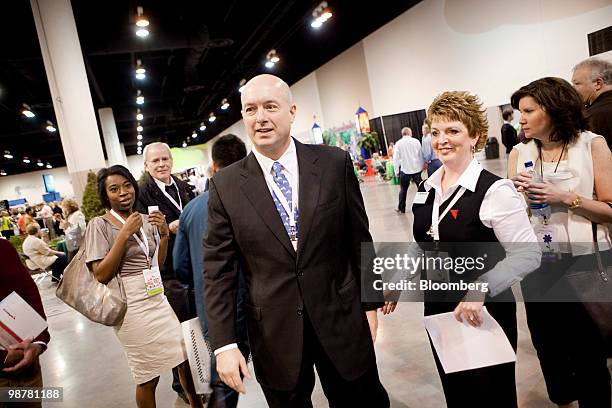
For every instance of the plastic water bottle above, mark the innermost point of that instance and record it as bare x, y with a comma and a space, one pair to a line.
540, 210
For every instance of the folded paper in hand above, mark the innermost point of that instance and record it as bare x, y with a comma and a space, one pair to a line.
18, 321
461, 346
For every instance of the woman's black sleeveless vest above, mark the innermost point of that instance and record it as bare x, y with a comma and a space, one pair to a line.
462, 234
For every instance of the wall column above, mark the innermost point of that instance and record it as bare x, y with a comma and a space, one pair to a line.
65, 68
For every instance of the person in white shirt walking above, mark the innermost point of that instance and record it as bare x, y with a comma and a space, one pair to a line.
408, 164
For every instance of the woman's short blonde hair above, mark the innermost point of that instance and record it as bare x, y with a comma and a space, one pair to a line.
70, 205
463, 107
32, 228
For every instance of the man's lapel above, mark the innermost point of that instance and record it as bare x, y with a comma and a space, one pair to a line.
310, 182
256, 190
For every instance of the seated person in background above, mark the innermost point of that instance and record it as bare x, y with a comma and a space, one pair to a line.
362, 163
377, 165
40, 256
19, 366
25, 218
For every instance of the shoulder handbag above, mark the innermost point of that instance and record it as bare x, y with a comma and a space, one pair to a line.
79, 289
594, 289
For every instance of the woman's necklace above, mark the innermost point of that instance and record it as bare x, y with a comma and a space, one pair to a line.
553, 160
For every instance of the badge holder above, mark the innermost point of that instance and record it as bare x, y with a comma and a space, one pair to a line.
435, 274
546, 237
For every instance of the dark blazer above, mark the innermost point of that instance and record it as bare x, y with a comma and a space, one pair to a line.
322, 280
509, 137
150, 195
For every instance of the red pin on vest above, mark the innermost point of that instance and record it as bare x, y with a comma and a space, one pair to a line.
454, 213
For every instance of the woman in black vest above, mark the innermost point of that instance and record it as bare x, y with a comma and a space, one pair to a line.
465, 211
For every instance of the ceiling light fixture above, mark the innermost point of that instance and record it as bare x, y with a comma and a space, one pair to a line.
320, 15
7, 155
139, 128
141, 23
2, 173
39, 163
211, 117
184, 144
27, 111
139, 143
49, 166
139, 152
139, 137
50, 127
271, 59
241, 85
194, 135
140, 72
139, 98
224, 104
26, 160
139, 115
202, 127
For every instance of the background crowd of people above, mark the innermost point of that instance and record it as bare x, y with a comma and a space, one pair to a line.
249, 257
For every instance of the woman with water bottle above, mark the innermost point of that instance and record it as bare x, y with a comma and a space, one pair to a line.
565, 172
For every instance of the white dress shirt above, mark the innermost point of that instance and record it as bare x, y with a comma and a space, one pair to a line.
162, 187
290, 169
407, 156
504, 210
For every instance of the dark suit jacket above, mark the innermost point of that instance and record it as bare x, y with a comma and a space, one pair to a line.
509, 137
151, 195
322, 280
599, 116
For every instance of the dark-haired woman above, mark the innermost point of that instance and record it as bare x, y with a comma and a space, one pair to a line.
132, 245
575, 166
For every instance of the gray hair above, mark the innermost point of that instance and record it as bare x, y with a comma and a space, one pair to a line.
599, 69
406, 131
155, 144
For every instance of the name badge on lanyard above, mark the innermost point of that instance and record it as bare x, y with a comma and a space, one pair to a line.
151, 275
291, 210
178, 205
436, 217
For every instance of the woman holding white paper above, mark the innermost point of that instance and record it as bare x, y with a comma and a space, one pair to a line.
125, 243
573, 169
464, 211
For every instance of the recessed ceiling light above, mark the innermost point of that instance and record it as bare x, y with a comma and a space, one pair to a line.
224, 104
49, 166
141, 20
27, 111
202, 127
50, 127
139, 143
7, 155
184, 144
26, 160
2, 173
139, 128
212, 117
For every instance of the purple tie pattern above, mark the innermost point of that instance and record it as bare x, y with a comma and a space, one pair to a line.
285, 188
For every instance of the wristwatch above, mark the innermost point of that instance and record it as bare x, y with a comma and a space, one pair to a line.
576, 203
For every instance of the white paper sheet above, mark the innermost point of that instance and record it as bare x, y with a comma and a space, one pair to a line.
199, 355
18, 320
462, 347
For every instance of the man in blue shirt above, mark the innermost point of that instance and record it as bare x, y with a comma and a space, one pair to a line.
427, 152
189, 262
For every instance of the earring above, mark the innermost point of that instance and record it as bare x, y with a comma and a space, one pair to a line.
473, 149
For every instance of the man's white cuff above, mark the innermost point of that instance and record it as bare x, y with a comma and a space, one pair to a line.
225, 348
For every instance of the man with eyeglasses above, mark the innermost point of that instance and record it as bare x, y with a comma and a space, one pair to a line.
161, 189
